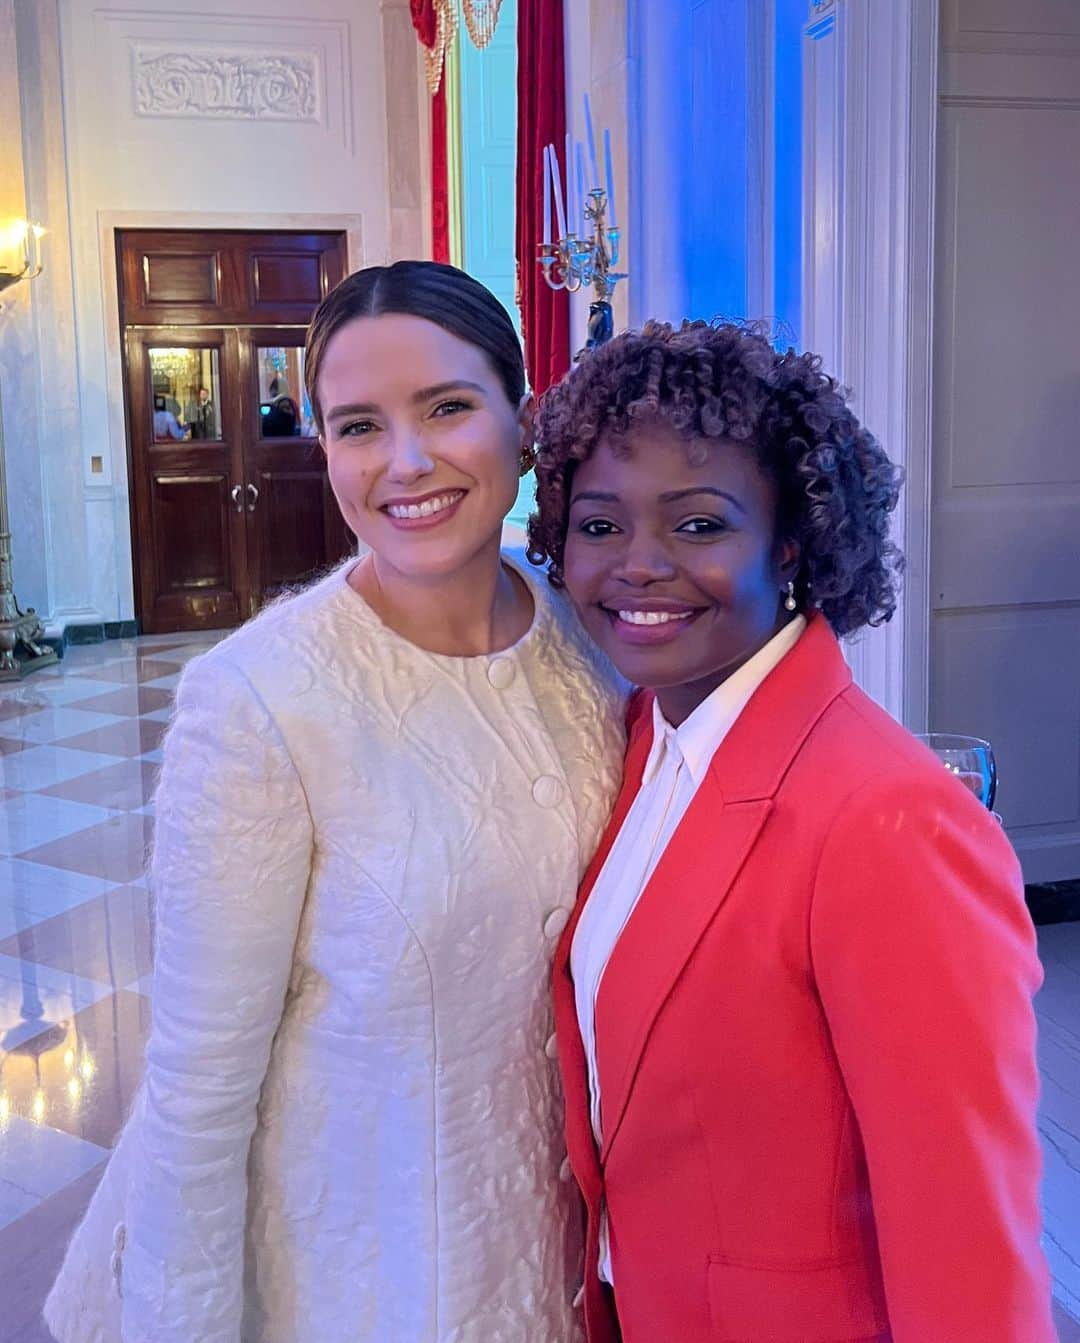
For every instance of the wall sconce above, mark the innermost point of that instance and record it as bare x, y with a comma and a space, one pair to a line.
23, 239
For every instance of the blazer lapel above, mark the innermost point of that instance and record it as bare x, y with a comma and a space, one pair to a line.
580, 1147
704, 857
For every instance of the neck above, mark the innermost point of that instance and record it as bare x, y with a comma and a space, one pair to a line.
678, 702
479, 608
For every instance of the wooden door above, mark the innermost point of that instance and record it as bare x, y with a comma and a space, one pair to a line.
294, 524
1005, 559
191, 552
230, 501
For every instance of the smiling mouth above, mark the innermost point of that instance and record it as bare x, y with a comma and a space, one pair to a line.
650, 625
424, 508
651, 617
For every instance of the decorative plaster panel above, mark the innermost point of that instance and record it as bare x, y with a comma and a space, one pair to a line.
245, 85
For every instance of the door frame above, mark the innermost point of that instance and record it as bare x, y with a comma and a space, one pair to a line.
114, 483
870, 91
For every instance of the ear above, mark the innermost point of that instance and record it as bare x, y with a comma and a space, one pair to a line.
788, 557
526, 418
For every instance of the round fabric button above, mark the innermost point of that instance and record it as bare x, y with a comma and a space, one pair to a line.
501, 672
547, 791
565, 1171
555, 922
551, 1049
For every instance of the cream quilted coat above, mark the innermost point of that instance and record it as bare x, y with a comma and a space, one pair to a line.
349, 1129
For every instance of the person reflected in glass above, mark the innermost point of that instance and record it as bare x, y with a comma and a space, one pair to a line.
280, 416
794, 1003
166, 426
376, 803
201, 415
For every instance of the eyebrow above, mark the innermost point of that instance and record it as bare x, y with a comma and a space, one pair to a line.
419, 396
669, 497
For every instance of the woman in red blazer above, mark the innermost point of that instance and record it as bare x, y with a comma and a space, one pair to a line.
794, 1003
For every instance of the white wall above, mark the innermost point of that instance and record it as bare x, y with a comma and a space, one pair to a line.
178, 115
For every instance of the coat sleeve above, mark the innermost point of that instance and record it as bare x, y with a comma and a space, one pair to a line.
229, 874
925, 961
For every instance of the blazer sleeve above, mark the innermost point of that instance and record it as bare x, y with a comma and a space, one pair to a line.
230, 869
925, 961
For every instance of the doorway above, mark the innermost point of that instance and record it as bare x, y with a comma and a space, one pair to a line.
230, 501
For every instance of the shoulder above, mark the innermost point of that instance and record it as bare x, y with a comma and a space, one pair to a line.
285, 647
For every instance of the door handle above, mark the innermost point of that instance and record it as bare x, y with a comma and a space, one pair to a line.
236, 494
253, 497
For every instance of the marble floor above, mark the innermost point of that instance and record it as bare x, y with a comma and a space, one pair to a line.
79, 749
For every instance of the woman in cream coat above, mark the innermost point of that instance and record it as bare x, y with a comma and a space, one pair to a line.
376, 804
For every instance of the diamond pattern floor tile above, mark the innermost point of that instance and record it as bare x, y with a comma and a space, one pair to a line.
124, 737
117, 848
30, 820
123, 785
106, 939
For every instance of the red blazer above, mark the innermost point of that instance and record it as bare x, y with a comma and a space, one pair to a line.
816, 1047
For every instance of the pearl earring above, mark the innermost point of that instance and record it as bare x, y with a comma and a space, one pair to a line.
789, 601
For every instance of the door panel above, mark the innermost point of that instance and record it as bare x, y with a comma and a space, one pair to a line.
1005, 636
230, 499
191, 559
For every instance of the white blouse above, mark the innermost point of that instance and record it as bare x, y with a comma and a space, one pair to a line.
350, 1127
677, 763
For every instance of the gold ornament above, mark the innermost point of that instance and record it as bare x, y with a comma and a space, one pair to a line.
434, 57
481, 16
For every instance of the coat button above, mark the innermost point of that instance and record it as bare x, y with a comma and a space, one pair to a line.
566, 1172
555, 922
547, 791
551, 1049
500, 672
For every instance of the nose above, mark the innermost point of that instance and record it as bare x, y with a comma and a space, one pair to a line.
643, 561
408, 460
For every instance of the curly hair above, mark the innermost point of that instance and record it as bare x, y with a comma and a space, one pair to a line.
835, 485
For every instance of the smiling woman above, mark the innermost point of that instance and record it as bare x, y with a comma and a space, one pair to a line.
376, 802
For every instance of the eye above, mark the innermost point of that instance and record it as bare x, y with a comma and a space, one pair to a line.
702, 526
357, 429
597, 527
445, 408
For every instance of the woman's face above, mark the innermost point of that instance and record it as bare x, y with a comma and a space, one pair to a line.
674, 566
423, 448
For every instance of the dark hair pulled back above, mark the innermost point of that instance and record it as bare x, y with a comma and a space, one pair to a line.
440, 294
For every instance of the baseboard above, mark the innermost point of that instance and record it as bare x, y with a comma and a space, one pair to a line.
1054, 901
92, 632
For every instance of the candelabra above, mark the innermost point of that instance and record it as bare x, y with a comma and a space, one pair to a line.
576, 262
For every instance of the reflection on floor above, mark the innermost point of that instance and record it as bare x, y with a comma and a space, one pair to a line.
79, 747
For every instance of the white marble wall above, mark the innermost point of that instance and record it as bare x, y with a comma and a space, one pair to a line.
107, 146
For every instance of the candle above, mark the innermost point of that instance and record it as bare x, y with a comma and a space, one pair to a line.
581, 190
547, 196
556, 180
595, 182
609, 179
572, 203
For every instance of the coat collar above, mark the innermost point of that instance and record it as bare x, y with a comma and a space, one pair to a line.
702, 860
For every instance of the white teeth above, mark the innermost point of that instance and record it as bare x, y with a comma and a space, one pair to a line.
426, 509
653, 617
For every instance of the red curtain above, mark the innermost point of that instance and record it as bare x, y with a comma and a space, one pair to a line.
425, 21
541, 89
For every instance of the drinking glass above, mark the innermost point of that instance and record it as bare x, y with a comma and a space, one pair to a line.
970, 758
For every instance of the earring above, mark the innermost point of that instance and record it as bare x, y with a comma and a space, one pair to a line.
789, 601
526, 461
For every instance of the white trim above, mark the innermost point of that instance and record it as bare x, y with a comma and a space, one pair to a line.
869, 144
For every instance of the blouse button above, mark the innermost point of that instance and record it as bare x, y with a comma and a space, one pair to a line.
551, 1049
555, 922
547, 791
500, 672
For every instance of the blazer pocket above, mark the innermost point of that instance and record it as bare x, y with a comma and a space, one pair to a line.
832, 1302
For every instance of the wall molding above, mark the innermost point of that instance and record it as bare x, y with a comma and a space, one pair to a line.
870, 74
216, 83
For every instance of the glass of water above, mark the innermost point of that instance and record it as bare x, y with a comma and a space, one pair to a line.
970, 758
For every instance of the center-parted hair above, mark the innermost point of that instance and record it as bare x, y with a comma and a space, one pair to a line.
440, 294
835, 486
